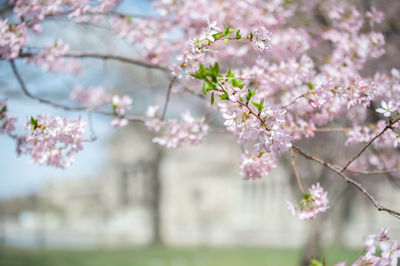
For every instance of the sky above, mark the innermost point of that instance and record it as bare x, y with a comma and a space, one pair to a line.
18, 175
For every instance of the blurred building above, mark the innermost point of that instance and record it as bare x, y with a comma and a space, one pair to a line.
202, 201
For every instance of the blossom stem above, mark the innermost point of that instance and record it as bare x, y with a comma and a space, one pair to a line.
296, 173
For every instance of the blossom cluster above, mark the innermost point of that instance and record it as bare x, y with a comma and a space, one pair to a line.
52, 59
176, 133
12, 39
120, 105
7, 120
389, 251
36, 11
92, 97
52, 141
257, 165
312, 204
260, 39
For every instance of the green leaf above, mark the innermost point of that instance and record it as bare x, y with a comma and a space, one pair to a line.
202, 74
217, 35
307, 196
212, 98
208, 86
214, 69
315, 262
250, 94
228, 30
310, 85
230, 74
223, 96
204, 89
4, 109
34, 122
202, 70
197, 75
238, 35
259, 106
227, 40
237, 83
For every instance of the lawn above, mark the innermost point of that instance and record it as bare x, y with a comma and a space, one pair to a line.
163, 256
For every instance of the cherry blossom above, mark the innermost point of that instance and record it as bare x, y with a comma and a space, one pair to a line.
261, 39
53, 141
257, 165
7, 120
179, 133
119, 122
12, 39
92, 96
386, 108
121, 104
52, 59
312, 204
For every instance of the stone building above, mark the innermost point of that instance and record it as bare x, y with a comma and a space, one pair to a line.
200, 199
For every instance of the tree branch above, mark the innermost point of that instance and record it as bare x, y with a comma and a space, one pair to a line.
369, 143
296, 173
61, 106
359, 186
108, 57
164, 111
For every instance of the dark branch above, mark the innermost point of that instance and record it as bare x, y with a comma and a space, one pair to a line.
348, 180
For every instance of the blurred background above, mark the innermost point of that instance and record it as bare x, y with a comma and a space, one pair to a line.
126, 201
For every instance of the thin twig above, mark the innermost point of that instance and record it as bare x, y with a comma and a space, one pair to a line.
38, 99
108, 57
171, 84
332, 129
296, 173
373, 172
61, 106
295, 99
369, 143
348, 180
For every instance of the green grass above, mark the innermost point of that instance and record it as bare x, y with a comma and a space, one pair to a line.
163, 256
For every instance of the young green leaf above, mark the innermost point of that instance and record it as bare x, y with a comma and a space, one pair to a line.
223, 96
310, 85
230, 74
228, 30
34, 122
237, 83
238, 35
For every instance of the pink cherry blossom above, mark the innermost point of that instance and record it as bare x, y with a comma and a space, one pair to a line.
92, 96
387, 108
7, 120
121, 104
179, 133
53, 141
13, 38
119, 122
52, 59
257, 165
312, 204
261, 39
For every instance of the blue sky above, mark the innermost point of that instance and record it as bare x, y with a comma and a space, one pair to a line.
18, 175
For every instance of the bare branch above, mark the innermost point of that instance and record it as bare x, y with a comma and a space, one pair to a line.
164, 111
369, 143
61, 106
296, 173
373, 172
296, 99
348, 180
108, 57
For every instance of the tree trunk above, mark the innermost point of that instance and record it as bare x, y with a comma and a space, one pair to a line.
156, 196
